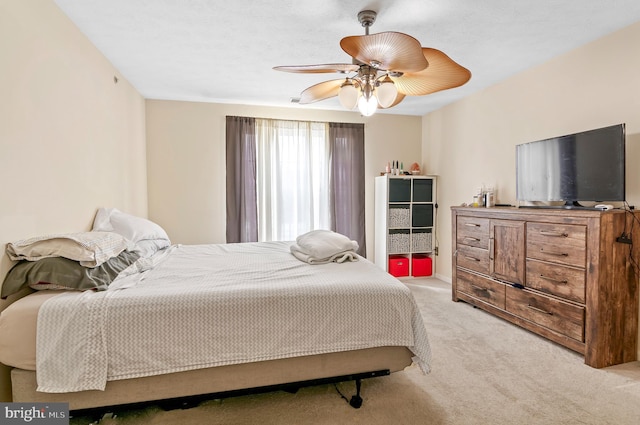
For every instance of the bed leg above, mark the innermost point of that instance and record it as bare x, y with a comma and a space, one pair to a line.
356, 400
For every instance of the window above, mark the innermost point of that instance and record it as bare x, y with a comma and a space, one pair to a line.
285, 178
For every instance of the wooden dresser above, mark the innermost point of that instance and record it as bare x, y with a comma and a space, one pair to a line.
559, 273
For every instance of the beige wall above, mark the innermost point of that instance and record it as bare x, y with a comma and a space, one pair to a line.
186, 160
473, 141
70, 139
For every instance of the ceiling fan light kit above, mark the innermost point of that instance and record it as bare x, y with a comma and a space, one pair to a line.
348, 95
387, 92
387, 67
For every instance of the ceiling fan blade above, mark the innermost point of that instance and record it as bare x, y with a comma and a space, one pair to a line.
321, 91
389, 51
318, 69
441, 74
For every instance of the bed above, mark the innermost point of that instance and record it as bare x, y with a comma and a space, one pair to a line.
184, 320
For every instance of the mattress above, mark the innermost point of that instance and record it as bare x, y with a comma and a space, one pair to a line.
18, 330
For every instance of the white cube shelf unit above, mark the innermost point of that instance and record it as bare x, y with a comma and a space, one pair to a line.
405, 217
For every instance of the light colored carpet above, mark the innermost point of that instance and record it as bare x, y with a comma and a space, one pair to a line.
485, 371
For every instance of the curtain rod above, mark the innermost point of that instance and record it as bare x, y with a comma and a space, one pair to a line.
279, 119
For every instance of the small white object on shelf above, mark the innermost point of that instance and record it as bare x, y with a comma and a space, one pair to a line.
604, 207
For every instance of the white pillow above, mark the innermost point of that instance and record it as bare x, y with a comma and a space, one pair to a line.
91, 249
148, 247
146, 236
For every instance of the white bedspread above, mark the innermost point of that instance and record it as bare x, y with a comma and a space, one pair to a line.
213, 305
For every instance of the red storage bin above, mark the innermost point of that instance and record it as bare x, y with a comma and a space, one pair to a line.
421, 265
398, 265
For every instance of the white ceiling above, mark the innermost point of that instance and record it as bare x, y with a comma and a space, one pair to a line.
224, 51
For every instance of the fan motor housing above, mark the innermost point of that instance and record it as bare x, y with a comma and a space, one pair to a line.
367, 18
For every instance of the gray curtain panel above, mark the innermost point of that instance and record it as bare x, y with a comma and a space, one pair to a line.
242, 208
347, 181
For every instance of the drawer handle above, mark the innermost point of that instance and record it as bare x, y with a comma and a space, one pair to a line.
469, 238
472, 224
553, 279
471, 258
479, 288
539, 310
554, 234
557, 254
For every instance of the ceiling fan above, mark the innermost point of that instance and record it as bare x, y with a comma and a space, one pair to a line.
385, 68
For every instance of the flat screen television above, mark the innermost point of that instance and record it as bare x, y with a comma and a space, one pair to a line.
587, 166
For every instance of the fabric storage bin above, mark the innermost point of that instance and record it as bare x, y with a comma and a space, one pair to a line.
399, 243
398, 265
421, 265
421, 241
399, 217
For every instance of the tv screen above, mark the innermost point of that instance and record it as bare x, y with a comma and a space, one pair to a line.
587, 166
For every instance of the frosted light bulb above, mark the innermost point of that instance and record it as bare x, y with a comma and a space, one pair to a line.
367, 107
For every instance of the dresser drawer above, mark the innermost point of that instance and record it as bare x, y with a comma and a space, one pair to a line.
558, 243
564, 318
563, 281
484, 289
473, 258
473, 231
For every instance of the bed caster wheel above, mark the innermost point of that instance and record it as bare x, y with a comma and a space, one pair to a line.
355, 402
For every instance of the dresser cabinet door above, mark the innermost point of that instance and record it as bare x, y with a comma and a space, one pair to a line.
507, 250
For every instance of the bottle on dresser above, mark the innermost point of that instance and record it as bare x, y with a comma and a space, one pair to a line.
489, 200
480, 195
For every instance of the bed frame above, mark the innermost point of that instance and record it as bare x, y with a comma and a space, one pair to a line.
272, 374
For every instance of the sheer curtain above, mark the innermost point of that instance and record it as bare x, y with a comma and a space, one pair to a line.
242, 223
291, 182
347, 183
